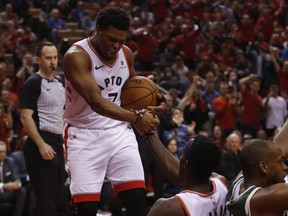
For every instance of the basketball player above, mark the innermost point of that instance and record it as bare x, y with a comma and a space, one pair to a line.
98, 134
261, 189
203, 192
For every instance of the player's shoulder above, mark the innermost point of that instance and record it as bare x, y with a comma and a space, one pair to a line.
75, 53
279, 187
127, 50
33, 80
270, 199
273, 192
170, 206
74, 49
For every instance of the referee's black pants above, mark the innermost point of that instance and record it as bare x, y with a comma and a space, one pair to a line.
47, 177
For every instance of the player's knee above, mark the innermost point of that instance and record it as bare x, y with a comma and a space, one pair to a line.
87, 208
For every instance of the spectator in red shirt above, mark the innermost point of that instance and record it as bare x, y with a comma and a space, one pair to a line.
264, 24
197, 8
245, 30
228, 51
185, 43
148, 44
160, 9
252, 105
226, 109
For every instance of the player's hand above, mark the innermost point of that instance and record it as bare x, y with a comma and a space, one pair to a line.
46, 151
161, 107
147, 124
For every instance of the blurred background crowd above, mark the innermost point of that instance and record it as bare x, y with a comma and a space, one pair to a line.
222, 66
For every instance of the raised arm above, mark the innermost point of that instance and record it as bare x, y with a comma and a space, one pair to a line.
244, 81
188, 94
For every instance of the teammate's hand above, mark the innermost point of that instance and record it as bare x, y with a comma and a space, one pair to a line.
161, 107
46, 151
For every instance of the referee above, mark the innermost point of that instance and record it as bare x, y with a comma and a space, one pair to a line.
41, 107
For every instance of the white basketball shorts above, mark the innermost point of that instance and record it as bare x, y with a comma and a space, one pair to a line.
94, 154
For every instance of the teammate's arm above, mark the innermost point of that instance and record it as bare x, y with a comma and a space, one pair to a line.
166, 161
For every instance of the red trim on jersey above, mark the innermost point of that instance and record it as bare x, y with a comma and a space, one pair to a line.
103, 60
86, 53
183, 205
127, 186
85, 198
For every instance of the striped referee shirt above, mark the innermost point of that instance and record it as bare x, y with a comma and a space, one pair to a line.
47, 99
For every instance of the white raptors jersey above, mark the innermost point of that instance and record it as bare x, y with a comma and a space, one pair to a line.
109, 77
200, 204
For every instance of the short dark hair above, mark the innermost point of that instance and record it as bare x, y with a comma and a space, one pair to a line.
113, 16
203, 156
39, 47
254, 151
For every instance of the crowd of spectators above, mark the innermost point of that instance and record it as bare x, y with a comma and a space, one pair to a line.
235, 49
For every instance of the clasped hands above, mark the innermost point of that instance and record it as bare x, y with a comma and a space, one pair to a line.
147, 119
147, 122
